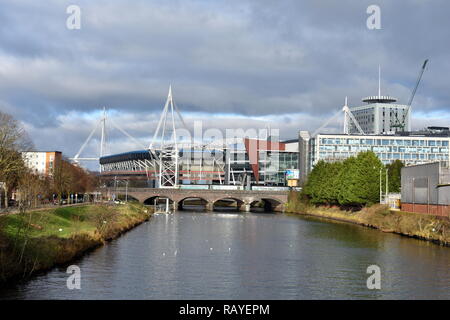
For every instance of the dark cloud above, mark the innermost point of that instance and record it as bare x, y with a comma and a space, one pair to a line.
256, 61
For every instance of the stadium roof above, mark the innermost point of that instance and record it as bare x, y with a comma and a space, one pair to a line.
132, 155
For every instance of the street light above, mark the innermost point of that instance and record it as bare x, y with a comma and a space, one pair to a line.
117, 184
381, 191
2, 186
115, 188
387, 182
387, 187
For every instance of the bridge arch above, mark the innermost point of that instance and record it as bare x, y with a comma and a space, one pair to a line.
127, 197
266, 205
159, 198
193, 202
244, 198
227, 204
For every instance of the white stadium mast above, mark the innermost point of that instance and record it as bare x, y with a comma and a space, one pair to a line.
348, 118
103, 141
101, 123
348, 115
166, 136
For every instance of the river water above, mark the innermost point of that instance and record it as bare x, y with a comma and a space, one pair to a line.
198, 255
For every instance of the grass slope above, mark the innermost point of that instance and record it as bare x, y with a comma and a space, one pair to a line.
38, 240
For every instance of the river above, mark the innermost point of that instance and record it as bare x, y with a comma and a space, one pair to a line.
198, 255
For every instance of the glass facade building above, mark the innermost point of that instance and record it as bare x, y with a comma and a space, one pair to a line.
411, 148
270, 169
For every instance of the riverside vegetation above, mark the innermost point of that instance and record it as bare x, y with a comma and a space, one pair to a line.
350, 191
23, 186
32, 241
37, 240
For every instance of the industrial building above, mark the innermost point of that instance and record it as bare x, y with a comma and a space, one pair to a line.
426, 189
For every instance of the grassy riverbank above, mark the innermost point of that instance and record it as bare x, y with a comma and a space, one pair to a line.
414, 225
36, 241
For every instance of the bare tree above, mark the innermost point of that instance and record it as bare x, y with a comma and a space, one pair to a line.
12, 134
69, 178
62, 178
13, 140
33, 189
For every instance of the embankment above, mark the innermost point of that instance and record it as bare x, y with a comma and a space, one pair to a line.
414, 225
39, 240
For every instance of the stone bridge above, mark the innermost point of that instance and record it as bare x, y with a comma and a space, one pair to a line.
273, 200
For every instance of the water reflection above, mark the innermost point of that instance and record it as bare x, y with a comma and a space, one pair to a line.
229, 255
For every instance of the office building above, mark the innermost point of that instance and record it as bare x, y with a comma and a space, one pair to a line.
381, 115
410, 147
263, 162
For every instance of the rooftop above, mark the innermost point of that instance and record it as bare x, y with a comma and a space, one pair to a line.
379, 99
53, 151
419, 133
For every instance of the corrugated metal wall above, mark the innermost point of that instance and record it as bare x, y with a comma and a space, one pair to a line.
419, 183
444, 195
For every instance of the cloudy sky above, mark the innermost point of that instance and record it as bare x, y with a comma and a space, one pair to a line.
231, 63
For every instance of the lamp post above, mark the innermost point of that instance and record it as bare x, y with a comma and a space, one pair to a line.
387, 187
115, 188
2, 186
381, 191
387, 182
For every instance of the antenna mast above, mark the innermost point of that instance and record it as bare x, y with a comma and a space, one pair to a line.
379, 81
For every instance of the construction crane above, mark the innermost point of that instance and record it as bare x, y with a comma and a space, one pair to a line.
402, 124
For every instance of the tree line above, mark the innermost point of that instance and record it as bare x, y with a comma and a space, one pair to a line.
33, 189
354, 182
